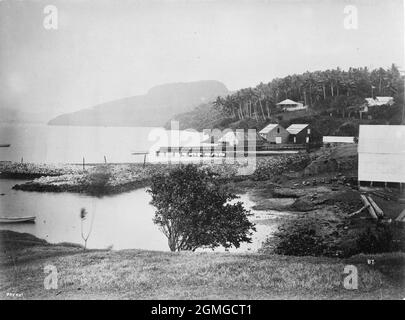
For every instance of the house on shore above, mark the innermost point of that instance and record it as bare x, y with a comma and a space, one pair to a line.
290, 105
381, 154
241, 138
274, 133
299, 133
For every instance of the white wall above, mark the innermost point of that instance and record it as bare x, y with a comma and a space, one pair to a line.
382, 167
334, 139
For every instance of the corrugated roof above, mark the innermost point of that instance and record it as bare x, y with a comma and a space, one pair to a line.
296, 128
384, 99
268, 128
370, 101
239, 136
382, 139
287, 101
379, 101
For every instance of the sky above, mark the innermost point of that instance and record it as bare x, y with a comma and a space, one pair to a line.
104, 50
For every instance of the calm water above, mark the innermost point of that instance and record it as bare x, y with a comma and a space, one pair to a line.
65, 144
122, 221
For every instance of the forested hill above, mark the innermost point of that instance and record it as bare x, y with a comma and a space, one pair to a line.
336, 92
152, 109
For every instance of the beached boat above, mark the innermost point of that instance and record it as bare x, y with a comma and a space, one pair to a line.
16, 219
4, 145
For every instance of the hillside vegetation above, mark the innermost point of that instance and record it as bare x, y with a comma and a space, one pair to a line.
334, 98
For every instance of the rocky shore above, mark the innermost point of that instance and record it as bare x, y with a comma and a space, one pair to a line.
96, 180
118, 178
13, 170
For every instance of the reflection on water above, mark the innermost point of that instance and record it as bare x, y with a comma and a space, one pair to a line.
69, 144
122, 221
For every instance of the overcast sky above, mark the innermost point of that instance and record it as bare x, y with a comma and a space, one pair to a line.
105, 50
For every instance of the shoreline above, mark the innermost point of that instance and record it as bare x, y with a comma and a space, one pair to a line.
105, 179
307, 185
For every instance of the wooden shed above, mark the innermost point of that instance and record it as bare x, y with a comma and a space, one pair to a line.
299, 133
241, 138
274, 133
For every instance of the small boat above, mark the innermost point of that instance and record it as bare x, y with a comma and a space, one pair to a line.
17, 219
4, 145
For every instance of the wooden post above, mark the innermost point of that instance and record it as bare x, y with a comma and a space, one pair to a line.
83, 164
376, 208
105, 159
22, 160
370, 208
385, 184
358, 211
401, 216
144, 160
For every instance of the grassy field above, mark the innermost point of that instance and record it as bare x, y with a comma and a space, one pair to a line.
138, 274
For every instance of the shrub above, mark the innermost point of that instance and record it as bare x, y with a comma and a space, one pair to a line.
193, 210
297, 239
378, 239
98, 180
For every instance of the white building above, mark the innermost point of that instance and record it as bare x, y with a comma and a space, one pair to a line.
274, 133
379, 101
241, 138
337, 139
290, 105
381, 153
299, 133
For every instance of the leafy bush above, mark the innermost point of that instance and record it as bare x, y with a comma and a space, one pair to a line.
297, 239
378, 239
193, 210
98, 180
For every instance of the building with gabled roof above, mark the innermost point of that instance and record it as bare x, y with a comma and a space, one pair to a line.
380, 101
290, 105
274, 133
241, 138
299, 133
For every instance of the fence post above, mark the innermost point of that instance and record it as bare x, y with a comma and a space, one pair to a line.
83, 164
105, 159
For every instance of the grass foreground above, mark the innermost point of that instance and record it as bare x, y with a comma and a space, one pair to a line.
139, 274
